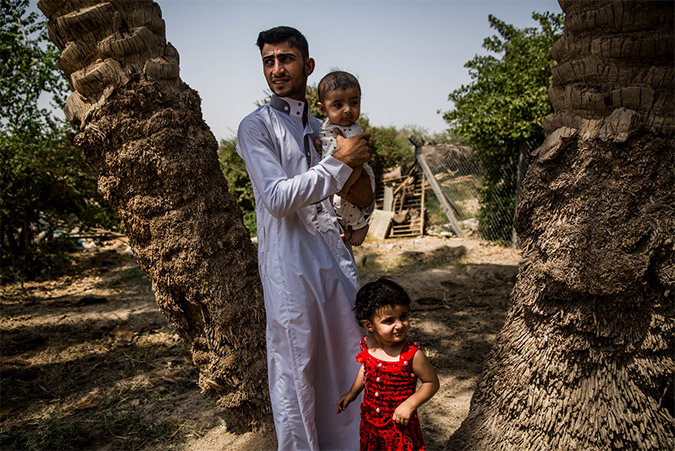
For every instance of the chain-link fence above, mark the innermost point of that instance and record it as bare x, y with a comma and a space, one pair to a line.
457, 198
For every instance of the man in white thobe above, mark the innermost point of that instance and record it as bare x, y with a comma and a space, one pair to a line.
308, 273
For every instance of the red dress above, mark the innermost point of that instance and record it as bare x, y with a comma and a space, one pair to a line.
388, 384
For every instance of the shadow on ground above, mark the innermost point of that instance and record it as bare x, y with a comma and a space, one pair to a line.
88, 361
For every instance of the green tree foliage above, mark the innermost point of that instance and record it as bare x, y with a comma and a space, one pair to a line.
312, 97
391, 147
503, 108
238, 182
46, 185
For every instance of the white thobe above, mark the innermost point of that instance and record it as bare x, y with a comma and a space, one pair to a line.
308, 275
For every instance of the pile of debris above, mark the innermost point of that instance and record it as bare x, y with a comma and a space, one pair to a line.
399, 204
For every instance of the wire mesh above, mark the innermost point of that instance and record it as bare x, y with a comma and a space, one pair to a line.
477, 211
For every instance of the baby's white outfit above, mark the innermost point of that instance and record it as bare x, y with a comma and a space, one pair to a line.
350, 214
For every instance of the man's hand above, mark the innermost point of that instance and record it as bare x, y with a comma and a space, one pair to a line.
353, 151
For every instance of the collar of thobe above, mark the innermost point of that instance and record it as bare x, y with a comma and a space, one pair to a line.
292, 107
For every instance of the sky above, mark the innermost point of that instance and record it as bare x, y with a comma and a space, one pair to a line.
408, 54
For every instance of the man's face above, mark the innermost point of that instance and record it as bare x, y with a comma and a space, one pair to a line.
285, 70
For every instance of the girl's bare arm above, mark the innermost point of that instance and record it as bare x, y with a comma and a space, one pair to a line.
423, 369
353, 392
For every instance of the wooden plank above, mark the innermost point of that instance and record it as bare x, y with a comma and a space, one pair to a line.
439, 194
410, 227
388, 201
422, 206
380, 221
411, 203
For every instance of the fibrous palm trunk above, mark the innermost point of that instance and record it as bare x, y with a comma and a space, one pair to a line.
585, 358
141, 130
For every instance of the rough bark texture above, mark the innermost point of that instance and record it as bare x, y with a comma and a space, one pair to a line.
585, 358
141, 129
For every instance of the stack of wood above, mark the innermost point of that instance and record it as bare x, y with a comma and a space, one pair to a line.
399, 204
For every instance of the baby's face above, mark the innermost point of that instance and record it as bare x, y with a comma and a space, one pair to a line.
342, 106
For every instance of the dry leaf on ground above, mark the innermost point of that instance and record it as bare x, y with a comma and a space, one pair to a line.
91, 400
122, 335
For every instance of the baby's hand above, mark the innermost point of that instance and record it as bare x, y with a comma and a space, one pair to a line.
344, 401
402, 414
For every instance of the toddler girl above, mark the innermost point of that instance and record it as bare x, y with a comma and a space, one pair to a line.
389, 371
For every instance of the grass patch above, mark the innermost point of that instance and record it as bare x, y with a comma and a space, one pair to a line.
131, 416
125, 427
435, 215
135, 396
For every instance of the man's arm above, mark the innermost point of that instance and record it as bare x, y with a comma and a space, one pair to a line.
280, 194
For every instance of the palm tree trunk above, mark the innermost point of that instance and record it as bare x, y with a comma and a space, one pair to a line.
141, 130
585, 358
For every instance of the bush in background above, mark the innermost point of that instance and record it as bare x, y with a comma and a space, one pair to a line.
502, 109
47, 189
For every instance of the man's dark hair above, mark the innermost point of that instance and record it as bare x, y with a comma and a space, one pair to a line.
337, 80
375, 295
282, 34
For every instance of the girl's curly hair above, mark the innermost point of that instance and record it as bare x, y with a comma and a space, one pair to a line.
375, 295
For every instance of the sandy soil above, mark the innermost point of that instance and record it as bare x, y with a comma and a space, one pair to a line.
88, 362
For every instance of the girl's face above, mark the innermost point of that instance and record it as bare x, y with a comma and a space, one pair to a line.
390, 325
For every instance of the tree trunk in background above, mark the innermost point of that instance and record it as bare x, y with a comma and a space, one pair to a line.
141, 129
585, 358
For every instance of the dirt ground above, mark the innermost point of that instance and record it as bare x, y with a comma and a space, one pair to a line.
87, 361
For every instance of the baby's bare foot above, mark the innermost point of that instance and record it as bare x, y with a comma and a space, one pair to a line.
358, 236
347, 235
